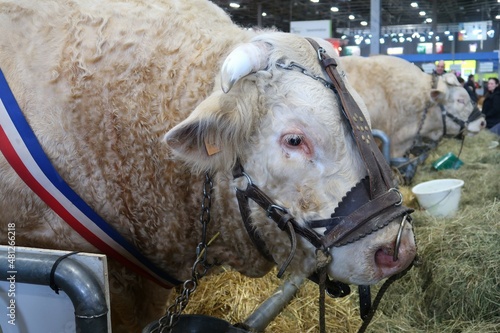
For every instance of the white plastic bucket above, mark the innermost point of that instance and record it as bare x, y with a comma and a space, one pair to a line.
439, 197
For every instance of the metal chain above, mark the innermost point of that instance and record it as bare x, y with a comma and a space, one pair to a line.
199, 269
303, 70
418, 137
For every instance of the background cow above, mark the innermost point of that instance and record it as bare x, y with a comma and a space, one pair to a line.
101, 82
397, 93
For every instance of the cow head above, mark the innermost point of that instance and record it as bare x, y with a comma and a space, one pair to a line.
287, 129
459, 114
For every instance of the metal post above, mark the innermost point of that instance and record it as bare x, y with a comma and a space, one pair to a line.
386, 143
259, 14
270, 308
375, 26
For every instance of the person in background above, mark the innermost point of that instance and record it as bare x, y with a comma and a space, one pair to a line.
461, 80
491, 106
439, 68
470, 86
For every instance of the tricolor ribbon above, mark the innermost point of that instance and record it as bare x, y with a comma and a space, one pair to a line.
22, 150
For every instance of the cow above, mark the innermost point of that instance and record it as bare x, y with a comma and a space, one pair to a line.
400, 97
136, 103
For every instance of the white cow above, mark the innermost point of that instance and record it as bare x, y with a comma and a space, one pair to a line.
397, 93
101, 82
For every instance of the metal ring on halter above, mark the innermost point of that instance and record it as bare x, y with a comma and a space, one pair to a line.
275, 207
400, 195
398, 238
249, 180
320, 52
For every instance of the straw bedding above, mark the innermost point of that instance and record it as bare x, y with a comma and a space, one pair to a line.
455, 289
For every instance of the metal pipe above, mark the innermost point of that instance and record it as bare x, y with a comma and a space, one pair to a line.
386, 143
271, 307
76, 280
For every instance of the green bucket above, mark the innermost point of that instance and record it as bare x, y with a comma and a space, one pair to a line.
448, 161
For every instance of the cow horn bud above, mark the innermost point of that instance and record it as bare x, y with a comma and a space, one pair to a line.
245, 59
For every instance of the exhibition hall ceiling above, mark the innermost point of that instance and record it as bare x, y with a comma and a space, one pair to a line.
279, 13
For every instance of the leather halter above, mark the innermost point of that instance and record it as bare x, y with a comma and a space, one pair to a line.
475, 114
371, 205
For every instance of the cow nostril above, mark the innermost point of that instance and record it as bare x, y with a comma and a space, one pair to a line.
384, 257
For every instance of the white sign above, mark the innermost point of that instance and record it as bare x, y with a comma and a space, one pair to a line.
319, 28
457, 68
486, 67
428, 67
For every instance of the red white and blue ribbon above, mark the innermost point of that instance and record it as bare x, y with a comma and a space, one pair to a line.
22, 150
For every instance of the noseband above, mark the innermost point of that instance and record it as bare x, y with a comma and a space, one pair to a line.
475, 114
369, 206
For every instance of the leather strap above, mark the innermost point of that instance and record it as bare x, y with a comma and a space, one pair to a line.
277, 213
379, 172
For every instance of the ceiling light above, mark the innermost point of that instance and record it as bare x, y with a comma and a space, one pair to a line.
364, 23
422, 38
422, 13
401, 39
351, 17
334, 9
415, 5
264, 14
234, 5
447, 32
450, 37
428, 20
315, 1
381, 40
497, 17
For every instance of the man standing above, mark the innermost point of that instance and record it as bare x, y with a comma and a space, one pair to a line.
439, 68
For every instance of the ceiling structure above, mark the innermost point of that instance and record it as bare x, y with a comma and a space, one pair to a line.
279, 13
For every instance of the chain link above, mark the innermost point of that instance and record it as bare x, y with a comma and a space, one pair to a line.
199, 269
303, 70
418, 137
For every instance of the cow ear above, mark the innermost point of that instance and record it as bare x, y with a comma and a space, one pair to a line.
451, 80
438, 95
207, 139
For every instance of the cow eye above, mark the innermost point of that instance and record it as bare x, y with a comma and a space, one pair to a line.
293, 140
461, 101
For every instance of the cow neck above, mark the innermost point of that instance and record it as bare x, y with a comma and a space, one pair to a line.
23, 151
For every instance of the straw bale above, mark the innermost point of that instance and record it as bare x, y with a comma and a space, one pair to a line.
455, 289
